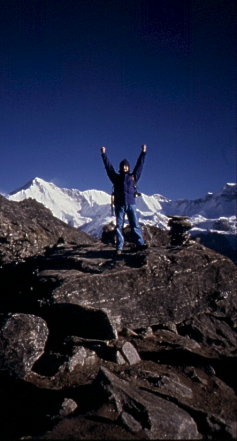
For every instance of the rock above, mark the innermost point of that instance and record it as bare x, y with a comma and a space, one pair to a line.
81, 357
68, 407
126, 332
206, 398
83, 321
212, 331
155, 237
152, 235
159, 286
172, 327
130, 353
139, 409
108, 234
130, 423
172, 385
27, 228
148, 332
22, 342
179, 227
119, 358
158, 324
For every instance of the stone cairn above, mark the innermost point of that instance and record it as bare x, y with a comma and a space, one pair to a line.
179, 230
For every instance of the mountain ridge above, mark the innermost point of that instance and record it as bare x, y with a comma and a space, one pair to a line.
90, 209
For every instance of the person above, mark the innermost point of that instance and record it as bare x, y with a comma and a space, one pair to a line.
124, 197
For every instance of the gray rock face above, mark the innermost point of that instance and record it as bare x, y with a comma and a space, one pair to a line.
142, 410
160, 286
95, 346
130, 354
27, 228
22, 342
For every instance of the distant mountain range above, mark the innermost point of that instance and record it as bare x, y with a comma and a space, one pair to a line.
91, 209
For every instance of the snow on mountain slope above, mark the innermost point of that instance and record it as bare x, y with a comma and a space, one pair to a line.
91, 209
214, 212
71, 206
212, 206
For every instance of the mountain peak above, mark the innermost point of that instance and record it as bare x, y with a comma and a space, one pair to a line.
90, 209
230, 187
29, 184
39, 181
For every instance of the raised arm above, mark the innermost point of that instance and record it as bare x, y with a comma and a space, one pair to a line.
108, 166
139, 164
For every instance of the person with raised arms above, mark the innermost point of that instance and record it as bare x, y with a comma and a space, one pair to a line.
124, 193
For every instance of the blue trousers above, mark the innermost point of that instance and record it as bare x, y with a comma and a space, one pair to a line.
130, 211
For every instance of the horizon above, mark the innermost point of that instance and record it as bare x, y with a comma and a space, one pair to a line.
77, 75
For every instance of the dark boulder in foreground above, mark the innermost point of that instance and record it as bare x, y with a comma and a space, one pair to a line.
94, 346
23, 338
142, 411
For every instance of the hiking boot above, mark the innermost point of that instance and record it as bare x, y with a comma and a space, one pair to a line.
118, 252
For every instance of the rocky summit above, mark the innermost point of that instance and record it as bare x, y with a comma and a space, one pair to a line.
98, 346
27, 228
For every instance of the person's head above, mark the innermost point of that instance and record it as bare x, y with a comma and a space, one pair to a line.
124, 166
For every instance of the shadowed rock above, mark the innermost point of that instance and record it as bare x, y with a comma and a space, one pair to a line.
27, 228
179, 228
22, 342
159, 286
142, 410
158, 325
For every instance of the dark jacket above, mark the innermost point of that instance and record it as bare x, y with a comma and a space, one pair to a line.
124, 183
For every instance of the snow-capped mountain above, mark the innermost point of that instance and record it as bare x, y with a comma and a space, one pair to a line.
213, 205
215, 211
84, 209
91, 209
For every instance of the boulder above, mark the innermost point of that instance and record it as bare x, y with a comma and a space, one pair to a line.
160, 286
22, 342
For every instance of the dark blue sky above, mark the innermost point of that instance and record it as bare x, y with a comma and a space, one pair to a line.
79, 74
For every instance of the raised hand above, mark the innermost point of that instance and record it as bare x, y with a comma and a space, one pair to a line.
103, 149
144, 148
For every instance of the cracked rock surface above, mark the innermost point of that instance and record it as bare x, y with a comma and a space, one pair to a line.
94, 346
